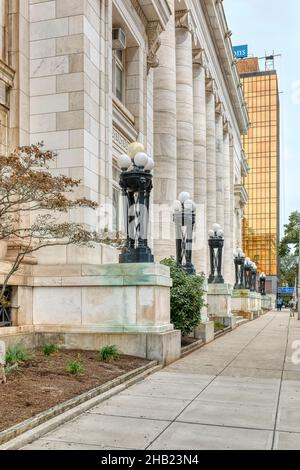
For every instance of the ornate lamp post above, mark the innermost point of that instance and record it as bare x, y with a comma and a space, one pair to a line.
247, 273
253, 277
136, 185
262, 283
239, 263
184, 218
216, 244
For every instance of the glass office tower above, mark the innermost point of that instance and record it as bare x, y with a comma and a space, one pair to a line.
262, 213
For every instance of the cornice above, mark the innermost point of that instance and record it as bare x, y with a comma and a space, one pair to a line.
136, 5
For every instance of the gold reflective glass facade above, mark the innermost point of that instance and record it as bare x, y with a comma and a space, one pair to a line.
261, 220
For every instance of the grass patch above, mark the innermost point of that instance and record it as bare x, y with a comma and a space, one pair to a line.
49, 349
74, 367
17, 354
109, 353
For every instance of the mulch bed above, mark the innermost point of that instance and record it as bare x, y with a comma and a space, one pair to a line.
43, 382
187, 340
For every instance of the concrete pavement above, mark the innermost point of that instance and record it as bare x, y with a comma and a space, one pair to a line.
241, 391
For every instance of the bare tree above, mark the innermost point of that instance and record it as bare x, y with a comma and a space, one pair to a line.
31, 203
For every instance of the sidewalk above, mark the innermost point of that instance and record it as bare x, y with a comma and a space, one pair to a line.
240, 392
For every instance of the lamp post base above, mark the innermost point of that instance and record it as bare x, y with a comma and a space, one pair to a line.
136, 255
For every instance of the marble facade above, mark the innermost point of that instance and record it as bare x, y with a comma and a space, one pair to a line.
180, 97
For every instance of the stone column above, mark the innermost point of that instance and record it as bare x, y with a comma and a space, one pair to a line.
184, 100
164, 128
211, 156
228, 254
232, 202
220, 166
200, 183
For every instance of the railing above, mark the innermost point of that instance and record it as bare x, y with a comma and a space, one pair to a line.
5, 308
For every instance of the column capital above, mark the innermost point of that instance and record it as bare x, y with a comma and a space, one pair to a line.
154, 29
199, 57
183, 20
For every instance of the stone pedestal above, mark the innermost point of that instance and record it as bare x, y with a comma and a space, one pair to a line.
219, 304
205, 331
90, 306
255, 302
266, 303
241, 303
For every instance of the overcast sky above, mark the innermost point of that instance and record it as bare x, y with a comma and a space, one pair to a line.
267, 25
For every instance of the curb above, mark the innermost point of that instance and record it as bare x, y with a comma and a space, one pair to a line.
191, 348
33, 428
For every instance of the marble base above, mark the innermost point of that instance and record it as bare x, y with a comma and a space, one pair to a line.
89, 306
241, 304
219, 304
205, 331
219, 300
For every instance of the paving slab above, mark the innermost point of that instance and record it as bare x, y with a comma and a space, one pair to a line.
182, 436
137, 407
230, 414
109, 431
287, 441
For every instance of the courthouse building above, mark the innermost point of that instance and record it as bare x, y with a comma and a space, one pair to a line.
88, 77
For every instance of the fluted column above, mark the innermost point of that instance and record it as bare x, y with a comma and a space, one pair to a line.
228, 252
211, 156
200, 183
220, 168
233, 241
164, 103
184, 101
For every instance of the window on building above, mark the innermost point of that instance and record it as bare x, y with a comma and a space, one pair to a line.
119, 74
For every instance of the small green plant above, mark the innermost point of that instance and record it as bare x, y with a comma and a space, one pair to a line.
187, 297
74, 367
17, 354
109, 353
49, 349
218, 326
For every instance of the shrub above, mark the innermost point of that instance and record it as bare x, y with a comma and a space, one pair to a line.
17, 354
109, 353
49, 349
187, 297
74, 367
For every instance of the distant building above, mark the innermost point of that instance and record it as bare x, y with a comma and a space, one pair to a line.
262, 146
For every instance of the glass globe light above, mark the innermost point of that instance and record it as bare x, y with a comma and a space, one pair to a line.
188, 204
124, 161
220, 233
141, 159
183, 197
211, 233
216, 227
236, 253
150, 164
177, 206
135, 148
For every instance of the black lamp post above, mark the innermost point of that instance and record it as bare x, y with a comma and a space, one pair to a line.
253, 277
136, 185
262, 283
247, 274
239, 263
216, 244
184, 218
